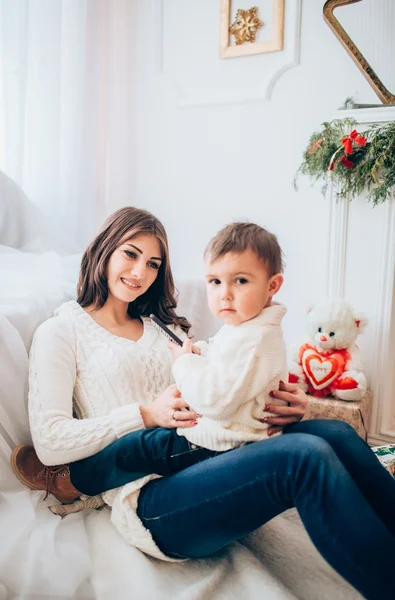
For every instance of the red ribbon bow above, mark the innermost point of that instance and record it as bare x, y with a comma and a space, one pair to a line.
353, 137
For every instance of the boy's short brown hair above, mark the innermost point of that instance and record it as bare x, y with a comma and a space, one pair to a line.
238, 237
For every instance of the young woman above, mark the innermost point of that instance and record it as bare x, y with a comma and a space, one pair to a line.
100, 374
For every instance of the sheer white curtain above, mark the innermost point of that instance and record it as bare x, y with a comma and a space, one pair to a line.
65, 96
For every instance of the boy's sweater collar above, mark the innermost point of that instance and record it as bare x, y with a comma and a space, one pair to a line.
271, 315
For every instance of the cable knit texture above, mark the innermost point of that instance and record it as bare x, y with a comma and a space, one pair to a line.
229, 384
85, 388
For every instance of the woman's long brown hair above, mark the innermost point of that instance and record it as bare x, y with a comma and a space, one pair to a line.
126, 223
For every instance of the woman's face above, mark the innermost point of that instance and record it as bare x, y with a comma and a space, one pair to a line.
133, 267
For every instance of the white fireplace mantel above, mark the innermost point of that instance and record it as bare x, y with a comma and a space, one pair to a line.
361, 267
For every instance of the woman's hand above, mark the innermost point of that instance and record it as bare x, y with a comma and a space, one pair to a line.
293, 413
178, 351
168, 410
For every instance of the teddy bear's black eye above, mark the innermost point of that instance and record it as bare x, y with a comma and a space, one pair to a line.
332, 333
319, 329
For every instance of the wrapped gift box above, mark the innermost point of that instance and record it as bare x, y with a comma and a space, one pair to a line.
386, 455
354, 413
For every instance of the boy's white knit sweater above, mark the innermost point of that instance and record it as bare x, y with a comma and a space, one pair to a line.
79, 369
230, 382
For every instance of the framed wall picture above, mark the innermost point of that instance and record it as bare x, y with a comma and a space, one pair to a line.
247, 29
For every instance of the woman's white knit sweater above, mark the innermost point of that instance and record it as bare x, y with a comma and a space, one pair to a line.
230, 383
79, 369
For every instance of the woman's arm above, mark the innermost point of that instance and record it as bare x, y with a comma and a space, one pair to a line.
57, 436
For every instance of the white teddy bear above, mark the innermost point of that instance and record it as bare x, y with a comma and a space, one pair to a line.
329, 362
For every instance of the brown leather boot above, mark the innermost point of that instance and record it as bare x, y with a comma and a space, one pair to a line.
36, 476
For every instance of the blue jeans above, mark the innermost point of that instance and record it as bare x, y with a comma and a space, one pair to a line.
135, 455
344, 497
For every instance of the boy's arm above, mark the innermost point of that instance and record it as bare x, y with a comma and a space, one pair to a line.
216, 388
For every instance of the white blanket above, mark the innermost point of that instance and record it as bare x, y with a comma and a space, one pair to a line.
83, 556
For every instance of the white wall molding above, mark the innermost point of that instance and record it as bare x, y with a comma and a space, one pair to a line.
364, 116
381, 440
337, 245
383, 379
271, 67
296, 51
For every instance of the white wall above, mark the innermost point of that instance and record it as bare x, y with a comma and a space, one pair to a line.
199, 167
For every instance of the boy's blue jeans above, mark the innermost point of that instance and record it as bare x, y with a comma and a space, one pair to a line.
135, 455
344, 496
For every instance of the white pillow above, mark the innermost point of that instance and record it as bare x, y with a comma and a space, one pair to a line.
23, 225
33, 285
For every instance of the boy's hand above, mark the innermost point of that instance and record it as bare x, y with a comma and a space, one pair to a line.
178, 351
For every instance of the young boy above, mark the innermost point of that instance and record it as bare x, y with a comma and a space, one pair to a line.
230, 381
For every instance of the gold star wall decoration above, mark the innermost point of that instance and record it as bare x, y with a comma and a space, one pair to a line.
245, 26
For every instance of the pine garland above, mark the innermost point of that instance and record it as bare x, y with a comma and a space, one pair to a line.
355, 163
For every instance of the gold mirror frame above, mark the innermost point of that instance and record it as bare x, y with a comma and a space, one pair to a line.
385, 96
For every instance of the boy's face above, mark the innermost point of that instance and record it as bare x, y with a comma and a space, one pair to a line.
238, 286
